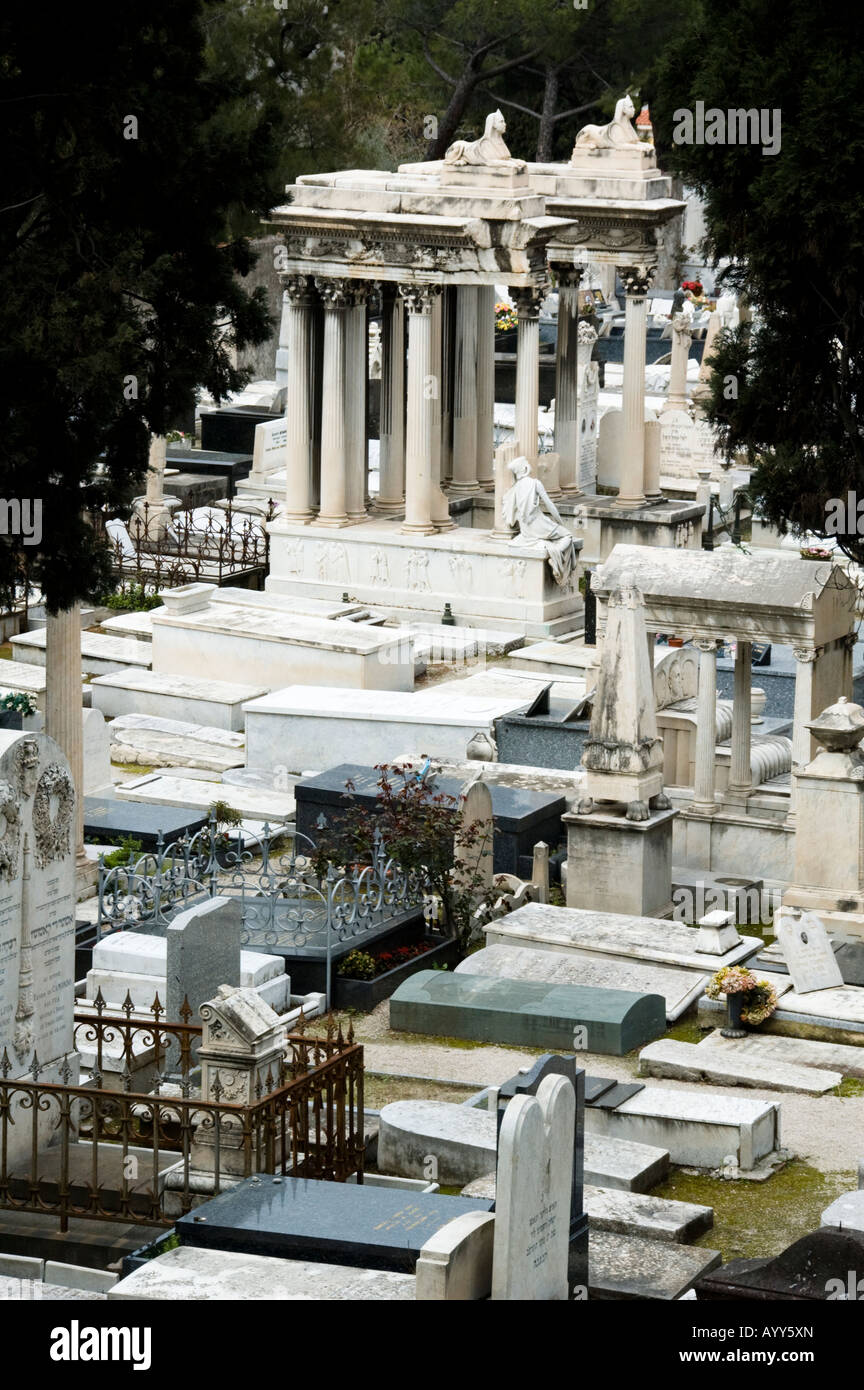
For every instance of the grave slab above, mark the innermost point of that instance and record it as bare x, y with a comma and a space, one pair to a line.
526, 1013
633, 1267
330, 1222
807, 951
629, 1213
144, 738
797, 1052
723, 1067
273, 806
679, 988
101, 653
189, 1274
698, 1129
197, 701
109, 817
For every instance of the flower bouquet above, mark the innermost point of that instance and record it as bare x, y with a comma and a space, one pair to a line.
748, 1000
506, 318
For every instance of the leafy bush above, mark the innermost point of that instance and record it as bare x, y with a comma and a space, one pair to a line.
134, 597
128, 846
357, 965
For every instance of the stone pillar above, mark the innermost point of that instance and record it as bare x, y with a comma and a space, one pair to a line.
356, 375
298, 305
586, 337
465, 392
504, 455
803, 709
334, 456
740, 776
682, 333
631, 481
440, 506
652, 438
418, 426
448, 350
848, 643
391, 479
567, 380
64, 720
706, 728
528, 303
152, 512
485, 386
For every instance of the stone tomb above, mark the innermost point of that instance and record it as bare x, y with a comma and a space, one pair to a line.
328, 1222
527, 1013
521, 817
107, 818
37, 914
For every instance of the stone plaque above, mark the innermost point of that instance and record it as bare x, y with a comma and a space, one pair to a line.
807, 951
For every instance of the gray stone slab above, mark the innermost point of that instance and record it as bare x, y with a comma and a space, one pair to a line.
628, 1213
679, 988
633, 1267
23, 1291
689, 1062
527, 1013
203, 952
189, 1274
624, 1164
699, 1128
799, 1052
79, 1277
847, 1212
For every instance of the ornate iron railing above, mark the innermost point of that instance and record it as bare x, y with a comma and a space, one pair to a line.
127, 1156
198, 544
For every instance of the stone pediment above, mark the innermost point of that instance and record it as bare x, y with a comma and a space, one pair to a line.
238, 1017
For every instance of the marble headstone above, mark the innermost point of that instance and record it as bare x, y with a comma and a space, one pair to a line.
533, 1191
270, 451
474, 851
203, 953
807, 951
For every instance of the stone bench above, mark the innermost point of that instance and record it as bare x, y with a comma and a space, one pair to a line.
527, 1013
101, 653
196, 701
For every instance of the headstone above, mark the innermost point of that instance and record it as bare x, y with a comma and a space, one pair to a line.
37, 902
473, 845
203, 953
270, 451
807, 951
97, 752
533, 1187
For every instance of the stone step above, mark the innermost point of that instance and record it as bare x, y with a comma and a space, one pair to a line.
154, 742
628, 1213
630, 1267
462, 1139
690, 1062
798, 1052
253, 804
101, 653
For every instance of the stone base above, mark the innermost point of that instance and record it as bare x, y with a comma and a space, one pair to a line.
604, 524
616, 865
844, 913
486, 581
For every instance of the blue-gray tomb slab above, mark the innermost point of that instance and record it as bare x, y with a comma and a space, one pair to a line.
108, 816
330, 1222
527, 1013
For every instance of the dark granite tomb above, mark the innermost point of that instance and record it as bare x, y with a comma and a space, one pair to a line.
108, 818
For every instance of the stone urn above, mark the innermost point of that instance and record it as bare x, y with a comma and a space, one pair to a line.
840, 727
734, 1027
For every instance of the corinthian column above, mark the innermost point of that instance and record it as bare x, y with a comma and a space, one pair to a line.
485, 386
567, 378
297, 325
465, 392
440, 506
63, 706
391, 484
706, 728
528, 303
631, 482
422, 382
334, 460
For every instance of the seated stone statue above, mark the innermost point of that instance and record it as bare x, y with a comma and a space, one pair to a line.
528, 505
618, 134
489, 149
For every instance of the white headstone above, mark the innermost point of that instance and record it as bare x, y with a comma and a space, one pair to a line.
269, 451
473, 848
533, 1190
807, 951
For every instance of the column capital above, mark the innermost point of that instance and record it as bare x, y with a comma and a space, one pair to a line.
586, 333
336, 293
637, 279
299, 288
528, 299
359, 292
418, 298
806, 655
568, 276
706, 644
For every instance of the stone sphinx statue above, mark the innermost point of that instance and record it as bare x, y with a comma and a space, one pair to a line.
528, 505
489, 149
619, 133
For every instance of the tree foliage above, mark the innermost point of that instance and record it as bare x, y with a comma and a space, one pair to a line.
787, 388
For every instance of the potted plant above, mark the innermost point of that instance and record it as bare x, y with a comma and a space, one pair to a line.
222, 818
748, 1000
17, 708
364, 977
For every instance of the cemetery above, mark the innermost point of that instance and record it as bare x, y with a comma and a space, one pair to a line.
431, 771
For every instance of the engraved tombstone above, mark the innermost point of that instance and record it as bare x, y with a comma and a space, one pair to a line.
807, 951
473, 846
533, 1191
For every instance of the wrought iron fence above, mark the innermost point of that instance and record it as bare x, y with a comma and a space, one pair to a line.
284, 903
196, 544
84, 1151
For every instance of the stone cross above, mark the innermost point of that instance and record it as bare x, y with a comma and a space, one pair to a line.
532, 1195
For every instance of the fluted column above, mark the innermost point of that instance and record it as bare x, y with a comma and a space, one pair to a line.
448, 351
682, 333
485, 386
440, 506
567, 379
706, 728
356, 374
465, 392
63, 705
418, 424
631, 481
528, 303
334, 456
391, 479
298, 304
740, 775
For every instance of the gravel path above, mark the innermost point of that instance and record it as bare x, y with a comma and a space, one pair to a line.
825, 1131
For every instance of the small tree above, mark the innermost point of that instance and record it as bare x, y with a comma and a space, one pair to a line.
418, 826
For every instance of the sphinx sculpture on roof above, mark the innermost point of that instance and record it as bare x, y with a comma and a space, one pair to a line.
619, 133
489, 149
